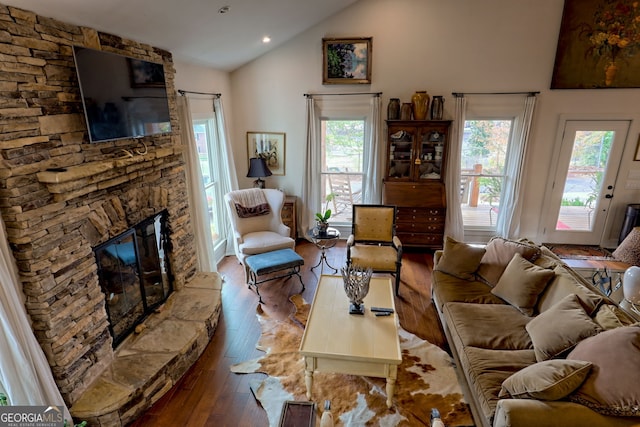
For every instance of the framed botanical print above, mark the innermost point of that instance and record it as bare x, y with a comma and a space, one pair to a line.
269, 146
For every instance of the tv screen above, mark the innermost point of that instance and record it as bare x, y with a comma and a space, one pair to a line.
123, 97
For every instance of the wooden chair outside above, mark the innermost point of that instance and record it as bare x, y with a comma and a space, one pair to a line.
345, 195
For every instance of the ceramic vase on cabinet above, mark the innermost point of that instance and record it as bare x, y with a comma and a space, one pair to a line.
393, 109
420, 101
437, 108
405, 111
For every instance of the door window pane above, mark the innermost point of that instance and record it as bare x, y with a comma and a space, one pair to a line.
583, 183
484, 150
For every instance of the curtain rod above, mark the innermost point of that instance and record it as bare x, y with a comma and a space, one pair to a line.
462, 94
215, 95
311, 95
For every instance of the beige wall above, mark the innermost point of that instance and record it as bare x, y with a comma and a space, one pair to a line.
441, 47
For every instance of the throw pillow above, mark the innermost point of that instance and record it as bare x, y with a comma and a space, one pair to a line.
460, 259
612, 386
548, 380
560, 328
498, 255
521, 283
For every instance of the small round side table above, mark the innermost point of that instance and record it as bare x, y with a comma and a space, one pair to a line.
323, 242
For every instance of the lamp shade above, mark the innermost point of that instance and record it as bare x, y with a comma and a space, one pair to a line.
629, 250
631, 284
258, 169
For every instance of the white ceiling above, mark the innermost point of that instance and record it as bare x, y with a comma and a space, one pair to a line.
193, 30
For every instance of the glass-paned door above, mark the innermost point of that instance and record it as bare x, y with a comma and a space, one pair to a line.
342, 153
583, 187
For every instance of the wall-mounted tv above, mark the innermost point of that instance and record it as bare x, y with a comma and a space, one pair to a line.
123, 97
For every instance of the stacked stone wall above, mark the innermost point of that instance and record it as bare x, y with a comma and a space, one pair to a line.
55, 219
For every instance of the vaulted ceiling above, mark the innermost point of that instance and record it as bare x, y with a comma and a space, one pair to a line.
194, 30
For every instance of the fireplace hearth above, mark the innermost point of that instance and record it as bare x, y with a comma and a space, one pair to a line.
134, 274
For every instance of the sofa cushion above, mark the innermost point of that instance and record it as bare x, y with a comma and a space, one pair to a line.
499, 253
567, 282
487, 369
453, 289
460, 259
494, 326
547, 380
609, 316
560, 328
521, 283
612, 387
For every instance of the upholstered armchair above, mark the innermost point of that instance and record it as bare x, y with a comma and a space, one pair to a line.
257, 228
373, 242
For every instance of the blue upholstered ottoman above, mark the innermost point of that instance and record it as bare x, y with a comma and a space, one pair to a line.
271, 262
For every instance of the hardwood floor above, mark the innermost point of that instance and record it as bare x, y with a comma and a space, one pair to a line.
210, 395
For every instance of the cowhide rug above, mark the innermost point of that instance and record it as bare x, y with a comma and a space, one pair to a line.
426, 379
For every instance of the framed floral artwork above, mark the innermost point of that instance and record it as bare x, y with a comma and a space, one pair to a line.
270, 146
598, 45
346, 60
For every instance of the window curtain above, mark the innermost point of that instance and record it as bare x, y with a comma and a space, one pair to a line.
372, 185
24, 371
508, 225
454, 226
341, 106
195, 189
226, 166
310, 190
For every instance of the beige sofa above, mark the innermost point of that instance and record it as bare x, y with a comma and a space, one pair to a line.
522, 327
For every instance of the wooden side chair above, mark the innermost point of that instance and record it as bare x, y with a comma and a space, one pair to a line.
373, 242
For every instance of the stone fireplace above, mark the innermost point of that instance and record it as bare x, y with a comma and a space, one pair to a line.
61, 196
135, 274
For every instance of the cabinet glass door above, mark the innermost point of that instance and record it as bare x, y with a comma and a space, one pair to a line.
400, 154
430, 156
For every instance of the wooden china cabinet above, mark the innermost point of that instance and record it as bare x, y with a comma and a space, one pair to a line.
414, 179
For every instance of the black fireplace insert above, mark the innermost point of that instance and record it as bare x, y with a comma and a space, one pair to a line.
134, 274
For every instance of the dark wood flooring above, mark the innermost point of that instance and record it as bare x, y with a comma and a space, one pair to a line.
210, 395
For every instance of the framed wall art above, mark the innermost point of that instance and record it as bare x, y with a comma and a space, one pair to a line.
270, 146
598, 45
346, 60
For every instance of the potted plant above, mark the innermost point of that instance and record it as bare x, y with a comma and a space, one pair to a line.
322, 218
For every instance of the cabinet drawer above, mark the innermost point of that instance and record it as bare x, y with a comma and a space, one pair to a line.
405, 214
421, 239
414, 194
287, 211
420, 227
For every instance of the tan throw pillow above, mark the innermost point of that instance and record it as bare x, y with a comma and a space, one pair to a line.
460, 259
560, 328
613, 386
498, 255
521, 283
548, 380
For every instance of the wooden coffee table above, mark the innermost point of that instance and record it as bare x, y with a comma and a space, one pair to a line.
339, 342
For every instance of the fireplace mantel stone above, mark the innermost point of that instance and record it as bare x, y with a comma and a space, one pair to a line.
74, 181
148, 364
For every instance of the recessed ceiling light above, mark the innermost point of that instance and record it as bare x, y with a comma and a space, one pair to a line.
266, 39
224, 9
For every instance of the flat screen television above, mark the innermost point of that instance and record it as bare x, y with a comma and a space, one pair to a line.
123, 97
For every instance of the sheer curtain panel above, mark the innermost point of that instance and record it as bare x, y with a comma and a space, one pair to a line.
195, 188
24, 371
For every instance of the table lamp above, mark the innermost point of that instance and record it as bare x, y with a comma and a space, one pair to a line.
258, 169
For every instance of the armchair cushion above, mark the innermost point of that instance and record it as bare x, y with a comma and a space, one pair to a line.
379, 258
